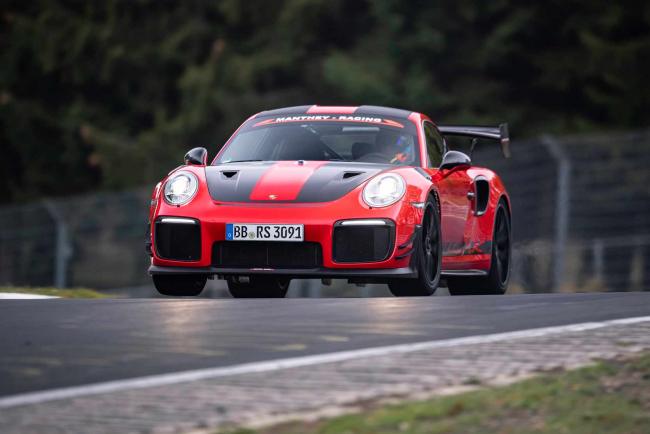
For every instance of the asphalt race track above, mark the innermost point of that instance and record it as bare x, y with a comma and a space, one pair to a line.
50, 344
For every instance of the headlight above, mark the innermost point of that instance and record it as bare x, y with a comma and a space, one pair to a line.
181, 188
384, 190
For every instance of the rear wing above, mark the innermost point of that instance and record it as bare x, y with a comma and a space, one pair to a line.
499, 133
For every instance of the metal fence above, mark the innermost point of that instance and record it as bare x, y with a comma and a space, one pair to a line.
580, 211
94, 241
580, 222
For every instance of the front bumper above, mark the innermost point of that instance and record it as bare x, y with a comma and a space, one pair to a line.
320, 225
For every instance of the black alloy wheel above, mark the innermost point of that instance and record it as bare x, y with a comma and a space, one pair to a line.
502, 247
428, 258
179, 285
496, 281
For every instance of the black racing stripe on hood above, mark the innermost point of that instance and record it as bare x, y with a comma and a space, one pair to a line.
237, 187
329, 182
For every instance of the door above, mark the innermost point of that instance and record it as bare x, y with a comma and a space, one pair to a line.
453, 185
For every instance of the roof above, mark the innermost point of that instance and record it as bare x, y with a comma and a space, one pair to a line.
348, 110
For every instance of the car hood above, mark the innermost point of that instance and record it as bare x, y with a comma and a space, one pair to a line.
287, 181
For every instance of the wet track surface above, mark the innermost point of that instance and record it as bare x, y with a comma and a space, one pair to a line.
56, 343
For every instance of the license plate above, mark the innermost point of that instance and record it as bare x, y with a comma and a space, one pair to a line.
264, 232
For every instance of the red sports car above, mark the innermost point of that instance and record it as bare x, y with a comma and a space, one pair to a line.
368, 194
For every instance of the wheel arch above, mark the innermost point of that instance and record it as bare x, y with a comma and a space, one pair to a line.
433, 193
506, 200
503, 198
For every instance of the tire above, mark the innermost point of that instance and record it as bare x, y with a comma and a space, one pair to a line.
428, 258
496, 282
259, 287
179, 285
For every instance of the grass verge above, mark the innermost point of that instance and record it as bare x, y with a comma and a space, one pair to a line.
57, 292
610, 397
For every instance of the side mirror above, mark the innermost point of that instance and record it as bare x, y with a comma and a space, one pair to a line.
197, 157
455, 158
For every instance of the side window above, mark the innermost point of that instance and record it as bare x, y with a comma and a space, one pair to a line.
435, 145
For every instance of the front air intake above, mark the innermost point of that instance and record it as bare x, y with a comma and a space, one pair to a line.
363, 240
178, 239
266, 254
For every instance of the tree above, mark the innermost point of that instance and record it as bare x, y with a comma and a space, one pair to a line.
110, 94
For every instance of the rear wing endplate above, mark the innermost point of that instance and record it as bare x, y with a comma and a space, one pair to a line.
499, 134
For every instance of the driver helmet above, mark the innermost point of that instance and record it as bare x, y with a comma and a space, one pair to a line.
394, 145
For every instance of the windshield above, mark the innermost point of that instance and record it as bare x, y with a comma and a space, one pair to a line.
325, 138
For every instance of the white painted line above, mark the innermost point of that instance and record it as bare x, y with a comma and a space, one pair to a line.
19, 296
294, 362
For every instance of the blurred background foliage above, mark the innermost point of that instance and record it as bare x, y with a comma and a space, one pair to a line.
110, 94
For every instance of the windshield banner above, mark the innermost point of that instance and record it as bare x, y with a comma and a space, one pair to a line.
329, 118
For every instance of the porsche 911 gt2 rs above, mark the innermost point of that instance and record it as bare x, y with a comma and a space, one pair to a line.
369, 194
